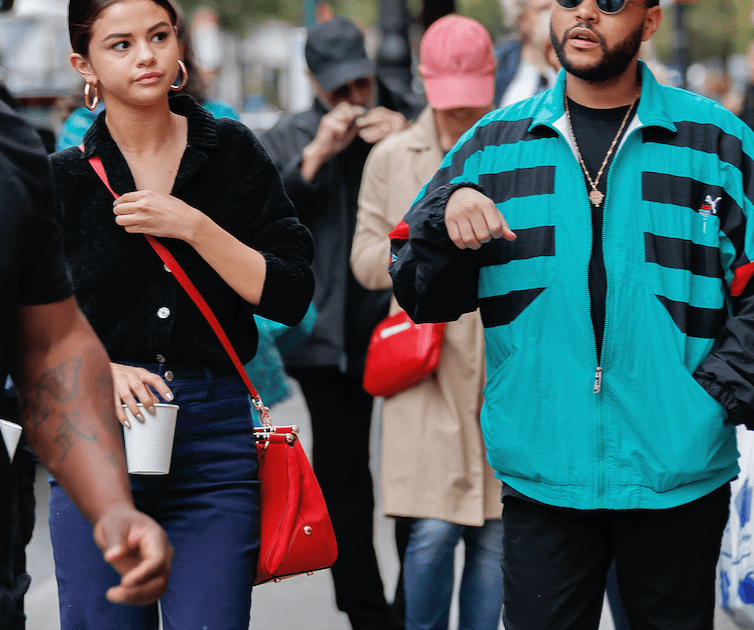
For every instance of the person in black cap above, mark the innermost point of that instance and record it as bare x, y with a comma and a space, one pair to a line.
321, 154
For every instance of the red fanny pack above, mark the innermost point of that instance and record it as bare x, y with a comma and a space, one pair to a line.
400, 354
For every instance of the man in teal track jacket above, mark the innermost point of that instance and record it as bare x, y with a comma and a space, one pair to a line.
604, 229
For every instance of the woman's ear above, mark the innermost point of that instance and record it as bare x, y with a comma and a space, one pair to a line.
83, 67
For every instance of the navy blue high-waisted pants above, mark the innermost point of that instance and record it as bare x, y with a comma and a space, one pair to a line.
209, 506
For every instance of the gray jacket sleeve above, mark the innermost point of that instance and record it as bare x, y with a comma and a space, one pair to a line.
727, 374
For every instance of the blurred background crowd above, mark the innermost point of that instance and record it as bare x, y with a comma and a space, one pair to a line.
250, 52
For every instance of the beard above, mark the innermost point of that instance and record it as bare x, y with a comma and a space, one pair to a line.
614, 60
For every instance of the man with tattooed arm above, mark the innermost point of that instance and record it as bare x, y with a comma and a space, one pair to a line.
63, 378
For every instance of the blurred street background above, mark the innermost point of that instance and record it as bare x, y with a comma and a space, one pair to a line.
251, 51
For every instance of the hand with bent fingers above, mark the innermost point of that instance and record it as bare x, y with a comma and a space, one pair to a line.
337, 129
378, 123
139, 550
472, 219
134, 385
156, 214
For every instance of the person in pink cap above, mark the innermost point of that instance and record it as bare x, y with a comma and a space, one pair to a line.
434, 470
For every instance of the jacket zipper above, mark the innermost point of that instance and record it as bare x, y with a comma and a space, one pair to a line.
598, 380
601, 359
597, 385
600, 420
598, 372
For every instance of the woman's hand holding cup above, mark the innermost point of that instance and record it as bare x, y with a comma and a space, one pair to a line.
134, 385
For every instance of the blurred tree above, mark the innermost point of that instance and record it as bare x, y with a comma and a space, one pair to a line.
716, 29
238, 15
487, 12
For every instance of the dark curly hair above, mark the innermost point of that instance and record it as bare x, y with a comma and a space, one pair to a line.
83, 13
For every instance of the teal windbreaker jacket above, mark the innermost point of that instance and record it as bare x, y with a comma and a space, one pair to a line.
649, 423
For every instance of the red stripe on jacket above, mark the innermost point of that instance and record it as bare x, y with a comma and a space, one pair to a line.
400, 231
742, 276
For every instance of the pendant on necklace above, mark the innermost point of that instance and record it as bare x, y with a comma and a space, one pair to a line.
596, 197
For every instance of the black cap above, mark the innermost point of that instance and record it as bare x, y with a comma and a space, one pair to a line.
335, 53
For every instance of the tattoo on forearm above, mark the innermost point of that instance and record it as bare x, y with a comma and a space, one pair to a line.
68, 432
53, 395
59, 385
114, 460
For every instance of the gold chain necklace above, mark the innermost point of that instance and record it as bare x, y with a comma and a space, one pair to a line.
596, 196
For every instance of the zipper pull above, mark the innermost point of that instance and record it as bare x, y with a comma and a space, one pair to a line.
598, 380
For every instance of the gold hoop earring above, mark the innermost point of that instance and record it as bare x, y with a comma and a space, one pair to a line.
87, 95
182, 84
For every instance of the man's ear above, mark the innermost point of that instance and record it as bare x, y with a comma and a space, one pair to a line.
652, 22
83, 67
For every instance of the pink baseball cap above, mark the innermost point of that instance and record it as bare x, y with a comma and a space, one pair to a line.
457, 63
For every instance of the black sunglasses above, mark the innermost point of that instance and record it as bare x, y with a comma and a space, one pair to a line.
611, 7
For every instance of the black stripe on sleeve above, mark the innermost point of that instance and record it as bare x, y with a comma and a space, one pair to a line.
529, 243
678, 253
498, 133
681, 191
703, 137
521, 182
703, 323
503, 309
692, 194
707, 138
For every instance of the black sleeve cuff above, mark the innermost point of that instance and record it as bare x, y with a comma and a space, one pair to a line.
738, 411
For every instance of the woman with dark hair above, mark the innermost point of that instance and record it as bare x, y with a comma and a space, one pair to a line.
78, 118
209, 192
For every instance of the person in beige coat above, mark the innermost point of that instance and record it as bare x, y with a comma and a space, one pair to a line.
434, 467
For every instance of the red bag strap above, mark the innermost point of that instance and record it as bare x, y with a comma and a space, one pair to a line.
194, 294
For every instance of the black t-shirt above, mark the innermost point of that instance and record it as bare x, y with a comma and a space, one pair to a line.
32, 266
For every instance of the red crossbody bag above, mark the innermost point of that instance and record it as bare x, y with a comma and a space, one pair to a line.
296, 532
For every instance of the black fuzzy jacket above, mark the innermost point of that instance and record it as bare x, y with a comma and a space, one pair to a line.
136, 307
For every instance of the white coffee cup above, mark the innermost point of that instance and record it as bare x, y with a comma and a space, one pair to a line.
11, 435
149, 444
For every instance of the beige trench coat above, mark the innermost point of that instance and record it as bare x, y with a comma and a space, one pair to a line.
433, 458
